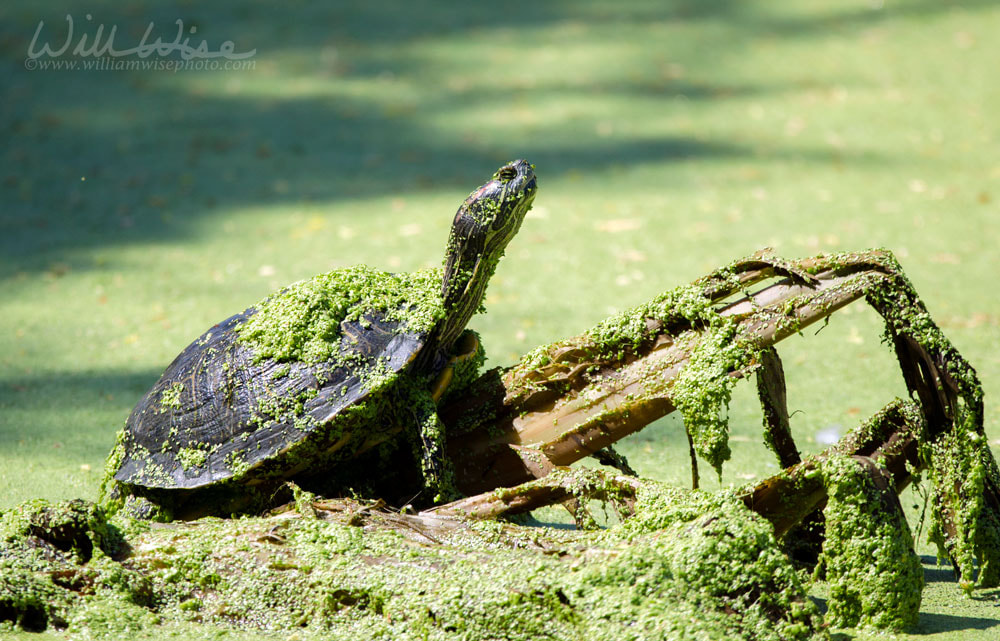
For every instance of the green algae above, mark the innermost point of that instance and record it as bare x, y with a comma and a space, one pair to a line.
428, 446
702, 390
191, 457
76, 528
29, 602
629, 329
273, 408
109, 495
717, 553
956, 453
875, 578
303, 321
618, 336
970, 535
171, 397
55, 564
661, 575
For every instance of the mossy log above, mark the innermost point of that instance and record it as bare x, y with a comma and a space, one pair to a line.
354, 569
685, 565
573, 398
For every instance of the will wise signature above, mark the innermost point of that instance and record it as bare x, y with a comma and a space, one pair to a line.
100, 46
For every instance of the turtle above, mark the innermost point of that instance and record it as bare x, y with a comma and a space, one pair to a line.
316, 374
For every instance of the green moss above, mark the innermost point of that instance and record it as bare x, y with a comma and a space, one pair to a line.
191, 457
278, 373
303, 500
52, 555
710, 551
303, 321
274, 408
170, 398
614, 338
107, 494
629, 329
957, 453
703, 389
29, 601
689, 565
960, 526
237, 463
875, 577
428, 445
108, 617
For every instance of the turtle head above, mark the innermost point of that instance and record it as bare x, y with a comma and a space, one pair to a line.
484, 224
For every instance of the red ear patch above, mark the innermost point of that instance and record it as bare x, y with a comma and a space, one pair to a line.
480, 191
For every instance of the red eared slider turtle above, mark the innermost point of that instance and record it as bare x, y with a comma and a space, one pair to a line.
315, 374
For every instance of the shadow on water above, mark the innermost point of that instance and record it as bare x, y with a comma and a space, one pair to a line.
346, 102
930, 622
937, 573
111, 392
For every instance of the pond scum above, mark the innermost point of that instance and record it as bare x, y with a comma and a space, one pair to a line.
686, 565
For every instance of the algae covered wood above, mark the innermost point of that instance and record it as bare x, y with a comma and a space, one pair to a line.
684, 565
350, 568
686, 348
840, 507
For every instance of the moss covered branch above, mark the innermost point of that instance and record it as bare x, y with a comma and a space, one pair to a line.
678, 562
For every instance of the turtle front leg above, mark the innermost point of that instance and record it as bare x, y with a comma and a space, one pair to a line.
429, 445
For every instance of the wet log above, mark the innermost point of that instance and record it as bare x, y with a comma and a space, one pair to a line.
583, 400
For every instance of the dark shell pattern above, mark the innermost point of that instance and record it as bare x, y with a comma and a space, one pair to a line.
216, 413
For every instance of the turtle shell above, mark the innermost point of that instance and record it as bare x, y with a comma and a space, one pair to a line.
221, 411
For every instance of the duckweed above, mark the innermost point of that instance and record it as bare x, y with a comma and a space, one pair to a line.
689, 565
875, 577
303, 321
171, 397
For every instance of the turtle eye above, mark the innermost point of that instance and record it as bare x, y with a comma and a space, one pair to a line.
507, 173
